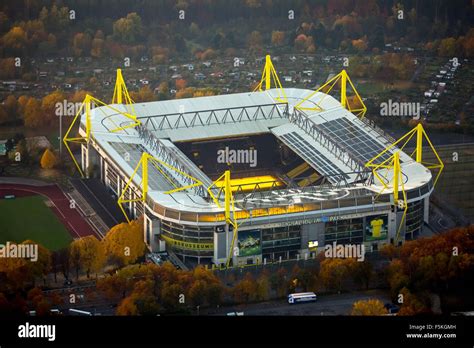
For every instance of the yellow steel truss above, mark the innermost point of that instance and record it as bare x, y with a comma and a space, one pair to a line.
342, 78
229, 208
418, 152
86, 107
229, 204
382, 173
121, 92
268, 74
382, 170
145, 160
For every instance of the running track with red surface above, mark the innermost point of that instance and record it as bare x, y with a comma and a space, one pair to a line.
70, 217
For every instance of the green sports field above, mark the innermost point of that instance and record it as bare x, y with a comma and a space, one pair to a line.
29, 218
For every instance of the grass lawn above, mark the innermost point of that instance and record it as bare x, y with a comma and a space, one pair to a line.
29, 218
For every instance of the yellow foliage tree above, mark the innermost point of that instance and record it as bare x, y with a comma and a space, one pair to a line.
48, 105
90, 254
124, 242
48, 160
368, 307
333, 272
32, 115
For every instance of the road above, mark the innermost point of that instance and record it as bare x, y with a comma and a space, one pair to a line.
326, 305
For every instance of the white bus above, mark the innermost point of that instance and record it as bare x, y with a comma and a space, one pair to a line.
302, 297
73, 311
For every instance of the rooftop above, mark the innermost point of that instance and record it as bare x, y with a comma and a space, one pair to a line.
333, 141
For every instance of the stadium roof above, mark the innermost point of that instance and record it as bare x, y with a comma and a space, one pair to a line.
333, 141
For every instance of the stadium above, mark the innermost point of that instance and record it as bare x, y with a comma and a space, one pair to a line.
258, 177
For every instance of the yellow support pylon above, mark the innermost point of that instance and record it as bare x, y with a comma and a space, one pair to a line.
392, 166
229, 208
343, 78
120, 90
121, 94
143, 163
86, 107
418, 152
268, 74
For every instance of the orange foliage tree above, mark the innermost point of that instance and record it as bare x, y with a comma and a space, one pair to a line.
368, 307
48, 160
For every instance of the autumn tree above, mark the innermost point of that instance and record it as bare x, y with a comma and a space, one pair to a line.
262, 288
16, 40
14, 277
412, 304
208, 54
447, 47
362, 273
198, 293
279, 282
81, 44
124, 242
170, 295
214, 294
22, 101
334, 271
7, 68
142, 300
245, 290
20, 273
3, 115
180, 84
79, 96
127, 307
39, 302
98, 45
278, 37
128, 29
163, 91
389, 251
255, 40
360, 45
48, 160
48, 105
368, 307
306, 279
11, 107
91, 254
145, 94
32, 115
305, 43
56, 18
396, 277
187, 92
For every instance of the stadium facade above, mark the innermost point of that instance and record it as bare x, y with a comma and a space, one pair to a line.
311, 185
